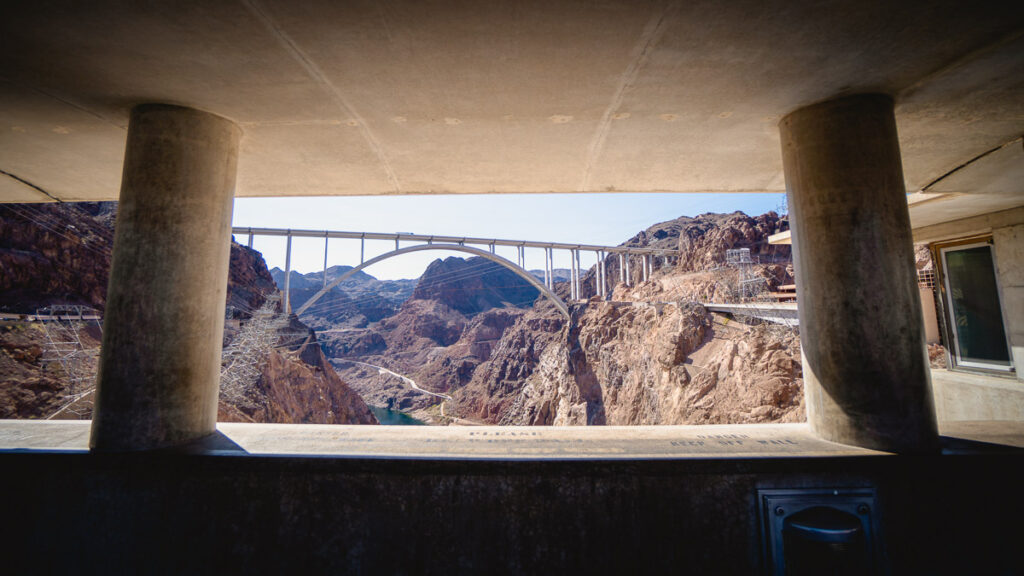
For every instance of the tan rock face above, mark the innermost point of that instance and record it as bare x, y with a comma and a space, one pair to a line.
54, 254
297, 385
28, 389
61, 254
632, 365
644, 358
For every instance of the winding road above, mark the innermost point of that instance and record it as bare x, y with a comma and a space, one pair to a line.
406, 379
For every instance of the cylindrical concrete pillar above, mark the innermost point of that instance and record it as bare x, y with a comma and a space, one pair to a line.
288, 274
164, 319
865, 367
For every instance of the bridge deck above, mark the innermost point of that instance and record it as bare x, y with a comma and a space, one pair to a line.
401, 236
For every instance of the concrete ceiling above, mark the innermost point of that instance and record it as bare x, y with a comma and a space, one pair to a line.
387, 97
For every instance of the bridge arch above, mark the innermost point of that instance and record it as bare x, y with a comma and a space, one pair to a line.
562, 307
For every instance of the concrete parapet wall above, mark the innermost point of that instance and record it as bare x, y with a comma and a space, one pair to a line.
191, 514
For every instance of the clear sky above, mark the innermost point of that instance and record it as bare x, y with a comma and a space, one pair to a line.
608, 219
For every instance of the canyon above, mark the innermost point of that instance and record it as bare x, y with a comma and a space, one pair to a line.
649, 355
478, 340
59, 254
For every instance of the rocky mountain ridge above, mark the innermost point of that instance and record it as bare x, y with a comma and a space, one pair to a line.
357, 301
60, 253
648, 356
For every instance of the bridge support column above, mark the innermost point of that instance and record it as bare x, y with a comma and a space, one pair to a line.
629, 279
865, 368
574, 257
551, 268
327, 239
164, 321
288, 276
579, 273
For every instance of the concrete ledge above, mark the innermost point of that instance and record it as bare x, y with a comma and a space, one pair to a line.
744, 441
961, 396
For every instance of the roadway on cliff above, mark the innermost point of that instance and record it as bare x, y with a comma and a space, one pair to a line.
412, 383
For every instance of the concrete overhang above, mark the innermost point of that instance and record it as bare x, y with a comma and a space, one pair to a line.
988, 184
354, 98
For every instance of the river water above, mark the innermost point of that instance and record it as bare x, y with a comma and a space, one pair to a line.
394, 417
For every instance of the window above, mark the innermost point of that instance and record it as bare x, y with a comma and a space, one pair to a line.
974, 311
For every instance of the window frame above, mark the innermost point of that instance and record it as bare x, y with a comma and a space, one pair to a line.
939, 251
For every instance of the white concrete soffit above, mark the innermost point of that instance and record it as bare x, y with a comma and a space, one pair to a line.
370, 97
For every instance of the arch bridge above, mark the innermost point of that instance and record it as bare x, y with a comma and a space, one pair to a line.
483, 247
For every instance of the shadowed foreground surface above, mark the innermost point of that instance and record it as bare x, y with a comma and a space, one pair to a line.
213, 512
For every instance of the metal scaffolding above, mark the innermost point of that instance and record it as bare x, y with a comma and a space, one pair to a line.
749, 285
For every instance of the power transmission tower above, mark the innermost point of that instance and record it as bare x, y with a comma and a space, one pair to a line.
243, 357
63, 326
749, 284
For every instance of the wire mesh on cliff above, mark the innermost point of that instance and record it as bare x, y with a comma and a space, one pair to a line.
243, 357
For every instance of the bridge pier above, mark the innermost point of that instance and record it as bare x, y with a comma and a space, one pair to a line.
576, 261
326, 240
551, 268
288, 276
164, 320
629, 280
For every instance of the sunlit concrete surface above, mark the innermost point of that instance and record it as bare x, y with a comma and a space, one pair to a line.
963, 396
503, 442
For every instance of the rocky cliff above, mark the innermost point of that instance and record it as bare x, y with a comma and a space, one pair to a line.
60, 253
354, 303
701, 272
457, 313
473, 285
636, 364
649, 356
295, 384
54, 254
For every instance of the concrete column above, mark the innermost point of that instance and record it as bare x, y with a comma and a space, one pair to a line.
288, 275
575, 255
865, 368
327, 239
164, 320
628, 279
576, 267
551, 268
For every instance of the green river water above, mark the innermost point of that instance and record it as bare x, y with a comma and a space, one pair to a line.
394, 417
